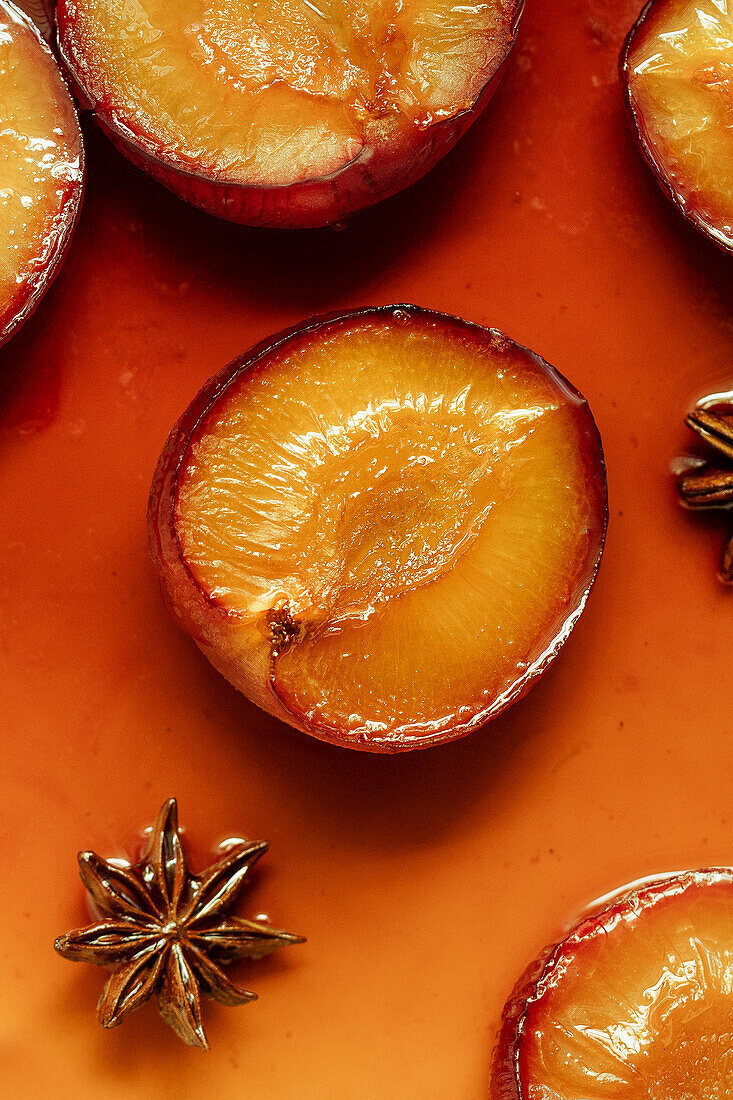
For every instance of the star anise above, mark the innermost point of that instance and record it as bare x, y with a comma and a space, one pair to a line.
709, 484
164, 930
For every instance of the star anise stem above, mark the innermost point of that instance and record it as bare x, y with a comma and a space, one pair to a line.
166, 931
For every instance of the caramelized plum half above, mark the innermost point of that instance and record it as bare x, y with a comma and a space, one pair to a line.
635, 1004
41, 168
677, 71
382, 526
285, 113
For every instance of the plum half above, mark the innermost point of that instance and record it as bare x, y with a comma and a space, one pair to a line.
635, 1004
41, 168
382, 526
285, 113
677, 71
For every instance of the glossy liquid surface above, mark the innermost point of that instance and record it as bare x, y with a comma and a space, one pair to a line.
272, 91
424, 882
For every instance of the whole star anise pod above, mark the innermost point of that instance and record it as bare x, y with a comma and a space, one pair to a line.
709, 484
164, 930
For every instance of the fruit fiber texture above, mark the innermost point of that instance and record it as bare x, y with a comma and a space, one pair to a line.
636, 1003
41, 168
677, 71
381, 527
286, 114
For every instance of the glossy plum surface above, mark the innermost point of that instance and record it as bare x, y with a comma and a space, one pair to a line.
41, 172
636, 1003
677, 72
285, 114
383, 526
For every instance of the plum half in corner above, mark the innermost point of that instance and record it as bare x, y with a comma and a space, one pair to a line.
677, 71
41, 168
285, 113
636, 1003
382, 526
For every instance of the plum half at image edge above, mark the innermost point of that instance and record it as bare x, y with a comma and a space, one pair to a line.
26, 303
374, 174
506, 1076
645, 144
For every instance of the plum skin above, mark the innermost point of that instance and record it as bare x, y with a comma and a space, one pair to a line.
636, 121
33, 290
506, 1077
210, 624
377, 172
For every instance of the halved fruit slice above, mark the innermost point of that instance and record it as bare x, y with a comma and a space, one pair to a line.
382, 526
285, 112
677, 71
635, 1004
41, 168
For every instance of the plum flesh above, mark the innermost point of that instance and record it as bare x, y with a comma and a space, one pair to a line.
42, 172
636, 1003
677, 72
381, 527
285, 113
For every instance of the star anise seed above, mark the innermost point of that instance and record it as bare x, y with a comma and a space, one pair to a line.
165, 930
708, 484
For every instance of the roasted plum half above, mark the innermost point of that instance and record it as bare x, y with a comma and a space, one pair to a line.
285, 113
635, 1004
41, 168
677, 72
382, 526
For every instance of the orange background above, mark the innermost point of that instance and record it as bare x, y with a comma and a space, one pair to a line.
424, 883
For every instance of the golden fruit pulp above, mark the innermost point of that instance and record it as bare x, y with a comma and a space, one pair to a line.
270, 91
411, 513
638, 1005
40, 162
680, 74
